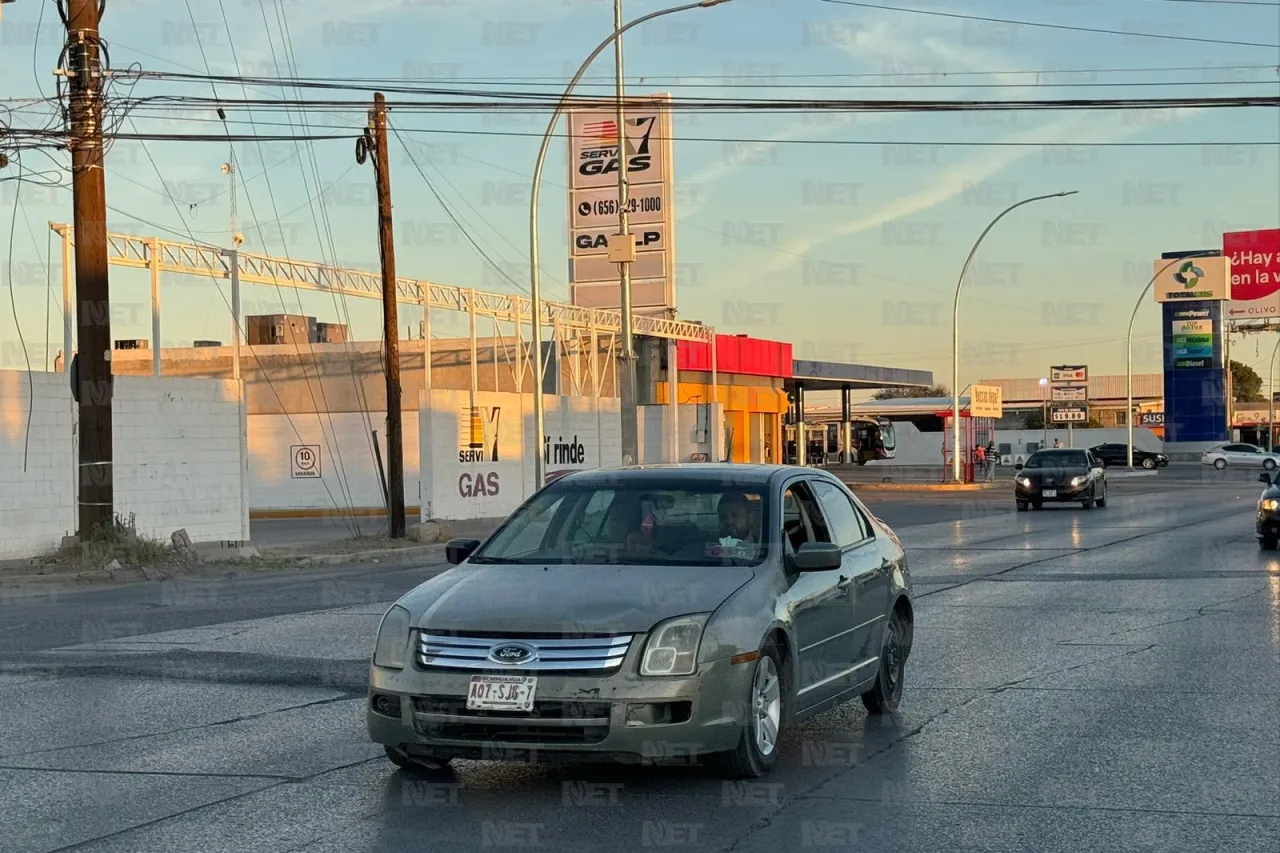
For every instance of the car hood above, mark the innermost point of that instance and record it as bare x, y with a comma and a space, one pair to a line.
568, 598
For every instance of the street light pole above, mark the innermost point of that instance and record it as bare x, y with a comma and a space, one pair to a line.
535, 274
1271, 399
1044, 412
1129, 346
955, 331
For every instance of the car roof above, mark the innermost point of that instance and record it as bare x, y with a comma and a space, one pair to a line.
702, 473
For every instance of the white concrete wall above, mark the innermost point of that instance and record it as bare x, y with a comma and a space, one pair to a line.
925, 448
695, 426
38, 504
491, 480
177, 457
175, 448
347, 467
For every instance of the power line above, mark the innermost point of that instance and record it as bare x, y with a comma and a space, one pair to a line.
1052, 26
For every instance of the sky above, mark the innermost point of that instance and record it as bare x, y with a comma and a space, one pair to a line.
841, 234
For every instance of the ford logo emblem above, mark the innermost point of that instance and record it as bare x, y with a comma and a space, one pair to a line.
512, 654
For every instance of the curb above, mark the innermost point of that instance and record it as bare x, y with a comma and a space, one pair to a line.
395, 557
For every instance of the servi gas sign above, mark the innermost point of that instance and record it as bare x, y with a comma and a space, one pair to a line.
598, 146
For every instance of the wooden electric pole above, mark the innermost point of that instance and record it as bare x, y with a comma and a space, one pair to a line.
390, 326
93, 299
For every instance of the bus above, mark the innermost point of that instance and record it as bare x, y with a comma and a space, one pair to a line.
873, 440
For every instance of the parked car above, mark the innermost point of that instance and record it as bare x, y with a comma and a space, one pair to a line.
1060, 476
1267, 525
625, 614
1118, 454
1239, 454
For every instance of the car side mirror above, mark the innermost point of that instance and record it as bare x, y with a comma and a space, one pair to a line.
458, 550
817, 557
1264, 478
1018, 467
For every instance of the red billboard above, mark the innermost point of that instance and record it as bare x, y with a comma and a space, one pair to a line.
1255, 263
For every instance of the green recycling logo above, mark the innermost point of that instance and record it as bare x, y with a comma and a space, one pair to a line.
1189, 275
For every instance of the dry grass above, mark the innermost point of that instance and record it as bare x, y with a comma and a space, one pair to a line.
119, 541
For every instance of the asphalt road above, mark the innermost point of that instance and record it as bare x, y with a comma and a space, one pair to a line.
1082, 680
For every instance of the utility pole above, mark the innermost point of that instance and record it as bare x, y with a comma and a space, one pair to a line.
626, 248
390, 325
93, 298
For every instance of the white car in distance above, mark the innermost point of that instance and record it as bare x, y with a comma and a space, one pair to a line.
1240, 454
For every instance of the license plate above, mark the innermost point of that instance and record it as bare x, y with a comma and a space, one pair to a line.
1050, 493
501, 693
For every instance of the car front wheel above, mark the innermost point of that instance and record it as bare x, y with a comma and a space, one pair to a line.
1219, 464
1148, 463
885, 696
1268, 543
1269, 464
767, 705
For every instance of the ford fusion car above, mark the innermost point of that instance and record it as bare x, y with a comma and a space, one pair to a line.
647, 614
1060, 476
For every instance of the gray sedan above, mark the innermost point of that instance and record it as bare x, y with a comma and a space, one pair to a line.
652, 614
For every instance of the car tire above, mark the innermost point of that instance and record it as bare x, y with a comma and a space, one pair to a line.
1022, 506
1149, 463
754, 756
414, 764
1269, 464
1267, 543
1219, 464
885, 696
1102, 501
1037, 505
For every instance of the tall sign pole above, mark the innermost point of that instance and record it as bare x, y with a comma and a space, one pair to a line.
390, 324
94, 382
624, 249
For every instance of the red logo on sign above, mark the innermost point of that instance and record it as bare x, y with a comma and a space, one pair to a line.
1255, 263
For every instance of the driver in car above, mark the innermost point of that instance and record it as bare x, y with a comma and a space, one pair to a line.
737, 518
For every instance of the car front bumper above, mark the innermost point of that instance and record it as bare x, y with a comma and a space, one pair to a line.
1035, 494
615, 717
1267, 525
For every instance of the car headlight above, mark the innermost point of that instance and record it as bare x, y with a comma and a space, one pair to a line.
1270, 504
1079, 481
393, 639
672, 648
1024, 481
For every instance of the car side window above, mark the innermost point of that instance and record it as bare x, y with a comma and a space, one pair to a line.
802, 521
847, 526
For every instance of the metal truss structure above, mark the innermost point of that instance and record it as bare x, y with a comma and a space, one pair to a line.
213, 262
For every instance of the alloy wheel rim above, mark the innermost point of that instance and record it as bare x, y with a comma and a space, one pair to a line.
766, 701
893, 659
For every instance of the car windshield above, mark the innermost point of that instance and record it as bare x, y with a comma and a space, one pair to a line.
1057, 459
620, 524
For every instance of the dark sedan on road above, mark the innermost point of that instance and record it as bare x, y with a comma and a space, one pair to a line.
1060, 476
1118, 454
1268, 523
648, 613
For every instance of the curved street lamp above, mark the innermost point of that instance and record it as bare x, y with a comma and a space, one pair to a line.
1129, 343
535, 283
955, 332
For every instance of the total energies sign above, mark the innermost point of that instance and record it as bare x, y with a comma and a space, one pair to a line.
596, 150
1255, 273
1192, 279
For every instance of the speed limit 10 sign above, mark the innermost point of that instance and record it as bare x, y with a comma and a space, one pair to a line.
306, 461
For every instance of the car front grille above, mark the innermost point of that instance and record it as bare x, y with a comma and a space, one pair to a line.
576, 654
550, 722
